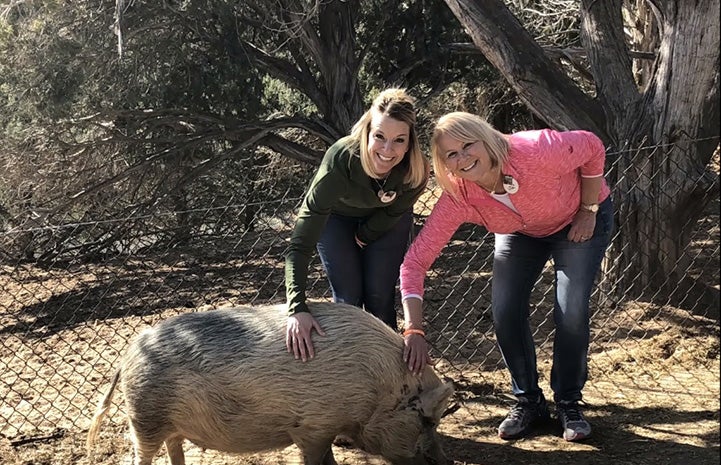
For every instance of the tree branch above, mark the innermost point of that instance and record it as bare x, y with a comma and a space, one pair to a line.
541, 84
286, 72
247, 135
291, 149
470, 49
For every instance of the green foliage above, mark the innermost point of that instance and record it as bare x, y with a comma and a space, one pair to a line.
164, 125
406, 44
279, 97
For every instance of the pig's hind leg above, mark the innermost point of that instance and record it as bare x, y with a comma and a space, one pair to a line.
144, 452
146, 446
174, 446
316, 451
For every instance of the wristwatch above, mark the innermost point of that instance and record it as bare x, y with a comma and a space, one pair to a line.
590, 207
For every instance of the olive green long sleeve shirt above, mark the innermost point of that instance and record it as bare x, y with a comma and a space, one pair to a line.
341, 186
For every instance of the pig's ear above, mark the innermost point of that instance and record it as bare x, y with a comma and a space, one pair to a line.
434, 402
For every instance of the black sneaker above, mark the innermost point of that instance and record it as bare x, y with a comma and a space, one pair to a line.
575, 426
522, 417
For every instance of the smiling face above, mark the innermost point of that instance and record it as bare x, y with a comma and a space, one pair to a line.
466, 160
388, 142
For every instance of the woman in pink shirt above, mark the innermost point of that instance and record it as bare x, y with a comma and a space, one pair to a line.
544, 196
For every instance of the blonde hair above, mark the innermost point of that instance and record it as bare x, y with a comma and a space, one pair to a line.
466, 127
397, 104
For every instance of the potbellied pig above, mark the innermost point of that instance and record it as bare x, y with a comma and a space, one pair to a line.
224, 380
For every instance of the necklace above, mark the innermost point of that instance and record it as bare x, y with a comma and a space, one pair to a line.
495, 185
385, 197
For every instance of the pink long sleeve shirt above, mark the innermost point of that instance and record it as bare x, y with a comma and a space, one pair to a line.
548, 166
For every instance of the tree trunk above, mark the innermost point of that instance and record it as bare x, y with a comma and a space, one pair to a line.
663, 183
329, 41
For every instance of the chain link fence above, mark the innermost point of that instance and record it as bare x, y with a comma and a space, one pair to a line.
76, 286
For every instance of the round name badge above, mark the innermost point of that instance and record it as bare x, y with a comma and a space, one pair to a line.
386, 197
510, 184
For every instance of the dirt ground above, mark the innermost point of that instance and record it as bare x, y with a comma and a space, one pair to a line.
652, 394
651, 401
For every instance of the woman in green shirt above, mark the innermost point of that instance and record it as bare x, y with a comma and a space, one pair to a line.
358, 212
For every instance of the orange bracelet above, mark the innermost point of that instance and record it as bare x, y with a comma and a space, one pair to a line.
414, 331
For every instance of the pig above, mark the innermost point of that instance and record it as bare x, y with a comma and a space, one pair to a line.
224, 380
